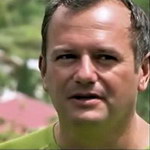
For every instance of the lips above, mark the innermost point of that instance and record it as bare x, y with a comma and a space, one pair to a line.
86, 96
86, 100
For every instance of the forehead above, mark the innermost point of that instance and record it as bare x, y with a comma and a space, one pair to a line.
105, 13
106, 23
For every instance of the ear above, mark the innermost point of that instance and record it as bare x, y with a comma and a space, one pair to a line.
144, 74
42, 67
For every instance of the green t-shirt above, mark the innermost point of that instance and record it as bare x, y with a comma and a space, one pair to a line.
41, 139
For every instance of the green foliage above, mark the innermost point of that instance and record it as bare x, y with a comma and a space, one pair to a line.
14, 12
23, 41
27, 80
143, 105
144, 4
20, 25
5, 81
7, 135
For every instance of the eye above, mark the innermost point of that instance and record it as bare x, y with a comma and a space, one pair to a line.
66, 57
107, 58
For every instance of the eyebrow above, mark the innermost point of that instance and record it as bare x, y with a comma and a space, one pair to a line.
60, 49
107, 50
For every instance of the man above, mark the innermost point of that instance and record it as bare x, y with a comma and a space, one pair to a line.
94, 61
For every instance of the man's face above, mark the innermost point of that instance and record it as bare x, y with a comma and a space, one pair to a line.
90, 64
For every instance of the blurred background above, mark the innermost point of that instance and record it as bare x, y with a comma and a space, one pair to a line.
21, 90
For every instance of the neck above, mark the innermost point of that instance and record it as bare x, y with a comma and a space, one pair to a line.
117, 135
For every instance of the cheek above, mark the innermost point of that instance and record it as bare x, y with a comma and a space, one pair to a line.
51, 80
122, 86
55, 80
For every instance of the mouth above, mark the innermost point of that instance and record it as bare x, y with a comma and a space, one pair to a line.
86, 96
86, 100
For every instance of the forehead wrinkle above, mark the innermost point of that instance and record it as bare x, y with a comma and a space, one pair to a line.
97, 28
94, 26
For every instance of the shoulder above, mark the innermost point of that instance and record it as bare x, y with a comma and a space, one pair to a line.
34, 140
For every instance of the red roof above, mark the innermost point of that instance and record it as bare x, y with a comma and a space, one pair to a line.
26, 111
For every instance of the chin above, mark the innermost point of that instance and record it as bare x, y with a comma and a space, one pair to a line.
93, 117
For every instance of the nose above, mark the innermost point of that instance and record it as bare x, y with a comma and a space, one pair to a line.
86, 72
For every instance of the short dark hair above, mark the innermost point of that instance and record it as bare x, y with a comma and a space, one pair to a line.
139, 23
